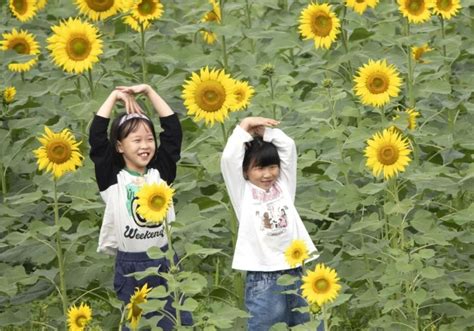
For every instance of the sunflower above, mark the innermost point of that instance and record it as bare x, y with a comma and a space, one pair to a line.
377, 82
212, 16
23, 43
418, 52
79, 317
134, 24
321, 285
387, 152
145, 10
59, 153
417, 11
154, 201
75, 45
23, 10
243, 92
446, 8
134, 310
296, 253
9, 94
98, 10
40, 4
360, 6
319, 23
412, 115
209, 95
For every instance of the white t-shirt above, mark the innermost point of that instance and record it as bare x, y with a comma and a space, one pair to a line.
268, 220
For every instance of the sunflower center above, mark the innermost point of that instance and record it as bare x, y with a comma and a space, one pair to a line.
21, 6
81, 321
416, 7
21, 47
321, 286
100, 5
78, 48
59, 152
212, 17
297, 254
322, 24
136, 311
360, 1
210, 96
387, 155
157, 202
444, 4
146, 7
239, 96
377, 83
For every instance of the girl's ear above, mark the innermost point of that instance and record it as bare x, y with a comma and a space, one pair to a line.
119, 147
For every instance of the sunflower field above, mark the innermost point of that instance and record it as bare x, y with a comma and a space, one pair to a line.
377, 94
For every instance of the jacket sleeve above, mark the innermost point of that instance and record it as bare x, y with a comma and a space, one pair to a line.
101, 152
231, 165
168, 153
288, 156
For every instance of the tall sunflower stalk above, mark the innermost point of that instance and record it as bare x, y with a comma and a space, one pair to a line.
410, 77
142, 52
443, 33
59, 252
225, 58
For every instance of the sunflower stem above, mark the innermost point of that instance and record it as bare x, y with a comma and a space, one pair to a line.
272, 93
248, 11
224, 133
142, 53
173, 266
325, 317
91, 82
224, 54
122, 318
410, 83
345, 40
443, 33
59, 252
4, 180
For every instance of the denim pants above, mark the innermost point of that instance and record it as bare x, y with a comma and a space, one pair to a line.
266, 303
127, 263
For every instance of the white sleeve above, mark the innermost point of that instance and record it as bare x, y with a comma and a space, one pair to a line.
231, 165
287, 152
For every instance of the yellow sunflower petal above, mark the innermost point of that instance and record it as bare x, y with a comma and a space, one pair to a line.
75, 45
360, 6
23, 43
213, 16
318, 22
296, 253
243, 93
79, 317
446, 8
133, 308
387, 152
9, 94
321, 285
23, 10
58, 154
154, 200
417, 11
98, 9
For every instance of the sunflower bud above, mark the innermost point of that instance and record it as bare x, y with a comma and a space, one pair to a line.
314, 308
268, 70
328, 83
9, 94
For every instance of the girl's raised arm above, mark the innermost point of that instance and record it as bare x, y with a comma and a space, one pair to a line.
160, 105
131, 106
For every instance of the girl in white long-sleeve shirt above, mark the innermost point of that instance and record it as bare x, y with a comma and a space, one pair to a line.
259, 169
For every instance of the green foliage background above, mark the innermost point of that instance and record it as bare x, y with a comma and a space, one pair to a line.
403, 249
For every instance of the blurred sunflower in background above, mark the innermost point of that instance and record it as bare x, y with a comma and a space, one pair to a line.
418, 52
134, 311
8, 94
318, 22
243, 92
75, 45
23, 43
377, 83
40, 4
59, 152
387, 152
211, 16
360, 6
446, 8
23, 10
154, 200
79, 317
321, 285
296, 253
412, 115
97, 10
417, 11
209, 95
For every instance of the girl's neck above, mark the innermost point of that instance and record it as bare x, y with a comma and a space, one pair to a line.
136, 172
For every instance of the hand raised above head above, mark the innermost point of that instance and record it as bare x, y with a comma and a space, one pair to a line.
135, 89
131, 105
256, 125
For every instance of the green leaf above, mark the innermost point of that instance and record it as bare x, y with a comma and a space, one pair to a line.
286, 280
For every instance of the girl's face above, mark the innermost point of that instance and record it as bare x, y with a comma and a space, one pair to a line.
263, 177
138, 148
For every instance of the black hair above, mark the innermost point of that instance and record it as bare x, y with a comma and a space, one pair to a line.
260, 153
121, 131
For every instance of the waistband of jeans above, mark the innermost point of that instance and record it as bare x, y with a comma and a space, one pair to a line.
137, 256
274, 274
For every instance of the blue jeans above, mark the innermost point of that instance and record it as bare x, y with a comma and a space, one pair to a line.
267, 304
127, 263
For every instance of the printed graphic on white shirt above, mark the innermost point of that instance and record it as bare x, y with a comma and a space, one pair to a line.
272, 211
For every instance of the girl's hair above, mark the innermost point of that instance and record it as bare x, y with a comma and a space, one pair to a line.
260, 153
122, 127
